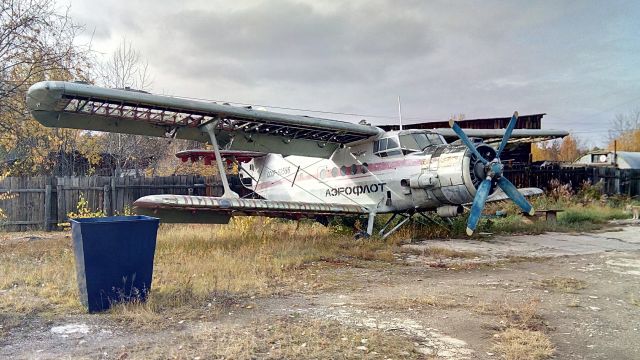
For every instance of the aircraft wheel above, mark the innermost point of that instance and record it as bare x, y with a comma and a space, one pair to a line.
361, 235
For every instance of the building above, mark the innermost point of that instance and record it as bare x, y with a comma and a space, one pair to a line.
619, 159
533, 121
518, 151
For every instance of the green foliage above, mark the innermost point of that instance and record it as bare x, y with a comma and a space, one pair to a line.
590, 214
127, 211
83, 211
345, 225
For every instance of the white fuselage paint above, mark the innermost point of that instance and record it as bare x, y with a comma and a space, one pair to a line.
354, 175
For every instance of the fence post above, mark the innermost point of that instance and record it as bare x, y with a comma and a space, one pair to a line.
60, 198
106, 199
46, 225
114, 194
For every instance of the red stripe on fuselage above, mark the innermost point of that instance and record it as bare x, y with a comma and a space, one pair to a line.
372, 168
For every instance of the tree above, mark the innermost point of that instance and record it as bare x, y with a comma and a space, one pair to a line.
124, 69
627, 141
34, 40
625, 133
570, 149
36, 43
545, 150
624, 123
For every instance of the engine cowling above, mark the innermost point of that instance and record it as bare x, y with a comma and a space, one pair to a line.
453, 174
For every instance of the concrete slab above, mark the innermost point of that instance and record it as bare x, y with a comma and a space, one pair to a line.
544, 245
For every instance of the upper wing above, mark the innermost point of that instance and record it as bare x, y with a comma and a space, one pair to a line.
497, 134
82, 106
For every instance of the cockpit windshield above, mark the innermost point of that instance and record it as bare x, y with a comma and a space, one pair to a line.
418, 141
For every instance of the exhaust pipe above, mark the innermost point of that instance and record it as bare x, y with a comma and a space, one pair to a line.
449, 210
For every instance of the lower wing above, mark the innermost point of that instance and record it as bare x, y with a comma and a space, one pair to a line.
215, 210
500, 195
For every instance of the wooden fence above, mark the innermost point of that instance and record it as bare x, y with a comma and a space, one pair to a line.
614, 181
43, 202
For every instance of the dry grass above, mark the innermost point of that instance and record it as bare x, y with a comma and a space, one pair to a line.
521, 331
517, 344
563, 284
440, 252
291, 337
521, 315
416, 303
195, 265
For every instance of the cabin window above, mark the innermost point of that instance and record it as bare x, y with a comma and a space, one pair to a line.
386, 147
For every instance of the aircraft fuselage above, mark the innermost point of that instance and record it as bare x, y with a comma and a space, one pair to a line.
390, 173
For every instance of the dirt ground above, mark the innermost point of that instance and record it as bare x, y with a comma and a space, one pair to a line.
449, 299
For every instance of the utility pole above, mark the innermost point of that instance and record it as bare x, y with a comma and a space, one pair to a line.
400, 112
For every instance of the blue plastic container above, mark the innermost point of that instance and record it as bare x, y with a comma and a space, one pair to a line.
114, 259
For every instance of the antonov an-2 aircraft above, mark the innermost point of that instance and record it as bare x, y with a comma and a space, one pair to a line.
301, 166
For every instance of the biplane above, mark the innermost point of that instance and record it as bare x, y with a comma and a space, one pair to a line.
300, 166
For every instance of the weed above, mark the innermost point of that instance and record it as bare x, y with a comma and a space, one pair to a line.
563, 284
517, 344
523, 315
440, 252
420, 302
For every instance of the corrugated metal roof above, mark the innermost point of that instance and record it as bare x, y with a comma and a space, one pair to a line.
631, 158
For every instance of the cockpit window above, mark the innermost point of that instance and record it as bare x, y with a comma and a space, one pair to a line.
418, 141
435, 139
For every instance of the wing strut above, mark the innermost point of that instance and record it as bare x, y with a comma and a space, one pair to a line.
210, 128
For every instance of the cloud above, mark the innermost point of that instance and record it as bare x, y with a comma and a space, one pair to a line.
571, 60
294, 42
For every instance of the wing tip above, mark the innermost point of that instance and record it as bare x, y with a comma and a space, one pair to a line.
469, 231
532, 211
451, 122
515, 114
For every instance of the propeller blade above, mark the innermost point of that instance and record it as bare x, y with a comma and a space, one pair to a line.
458, 130
515, 195
478, 205
507, 133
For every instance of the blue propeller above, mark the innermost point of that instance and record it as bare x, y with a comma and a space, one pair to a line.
493, 170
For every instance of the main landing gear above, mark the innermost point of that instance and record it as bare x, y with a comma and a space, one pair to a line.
417, 217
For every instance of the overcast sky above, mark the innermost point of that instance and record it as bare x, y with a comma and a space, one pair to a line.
577, 61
